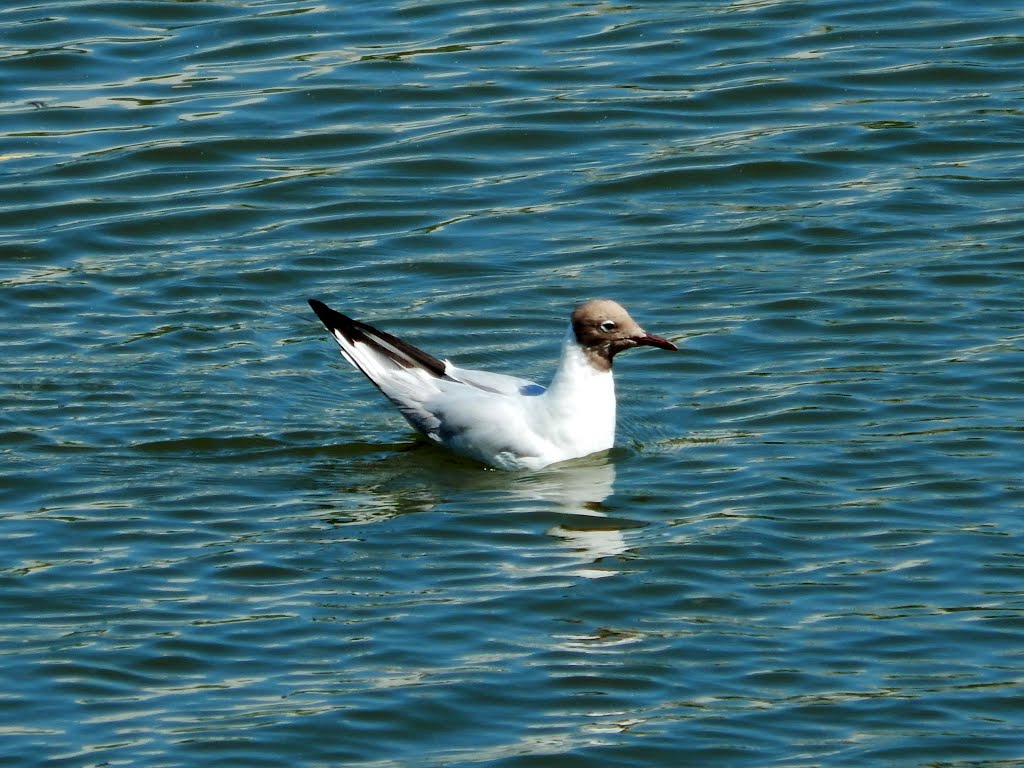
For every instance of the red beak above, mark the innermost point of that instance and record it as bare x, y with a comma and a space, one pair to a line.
650, 340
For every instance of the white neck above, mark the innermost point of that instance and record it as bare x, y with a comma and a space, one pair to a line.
574, 367
581, 399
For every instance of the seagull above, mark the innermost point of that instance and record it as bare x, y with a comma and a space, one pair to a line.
503, 421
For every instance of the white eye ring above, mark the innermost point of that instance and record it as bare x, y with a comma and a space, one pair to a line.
607, 325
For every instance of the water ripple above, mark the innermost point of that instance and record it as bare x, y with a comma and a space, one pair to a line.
222, 547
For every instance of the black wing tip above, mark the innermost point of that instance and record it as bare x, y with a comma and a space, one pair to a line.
331, 318
354, 330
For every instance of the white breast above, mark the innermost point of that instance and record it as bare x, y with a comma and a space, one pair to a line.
579, 406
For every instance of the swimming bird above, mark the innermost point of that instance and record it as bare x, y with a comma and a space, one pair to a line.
503, 421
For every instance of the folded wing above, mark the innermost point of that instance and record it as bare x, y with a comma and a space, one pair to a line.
423, 387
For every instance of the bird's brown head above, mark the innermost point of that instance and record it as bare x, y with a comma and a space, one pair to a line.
603, 328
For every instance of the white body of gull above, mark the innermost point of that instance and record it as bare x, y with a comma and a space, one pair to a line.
503, 421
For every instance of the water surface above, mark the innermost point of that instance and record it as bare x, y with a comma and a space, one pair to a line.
220, 546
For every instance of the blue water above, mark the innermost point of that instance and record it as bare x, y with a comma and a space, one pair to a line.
221, 547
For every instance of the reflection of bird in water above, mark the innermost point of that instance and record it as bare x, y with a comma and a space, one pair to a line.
418, 481
577, 491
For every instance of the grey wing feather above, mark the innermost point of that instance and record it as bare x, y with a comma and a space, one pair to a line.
498, 383
411, 378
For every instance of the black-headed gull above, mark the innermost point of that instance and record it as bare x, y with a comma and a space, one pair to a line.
503, 421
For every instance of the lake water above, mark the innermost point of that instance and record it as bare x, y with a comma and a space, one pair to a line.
221, 547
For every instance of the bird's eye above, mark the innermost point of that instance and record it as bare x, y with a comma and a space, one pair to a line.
607, 326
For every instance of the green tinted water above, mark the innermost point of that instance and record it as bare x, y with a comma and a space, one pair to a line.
220, 545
